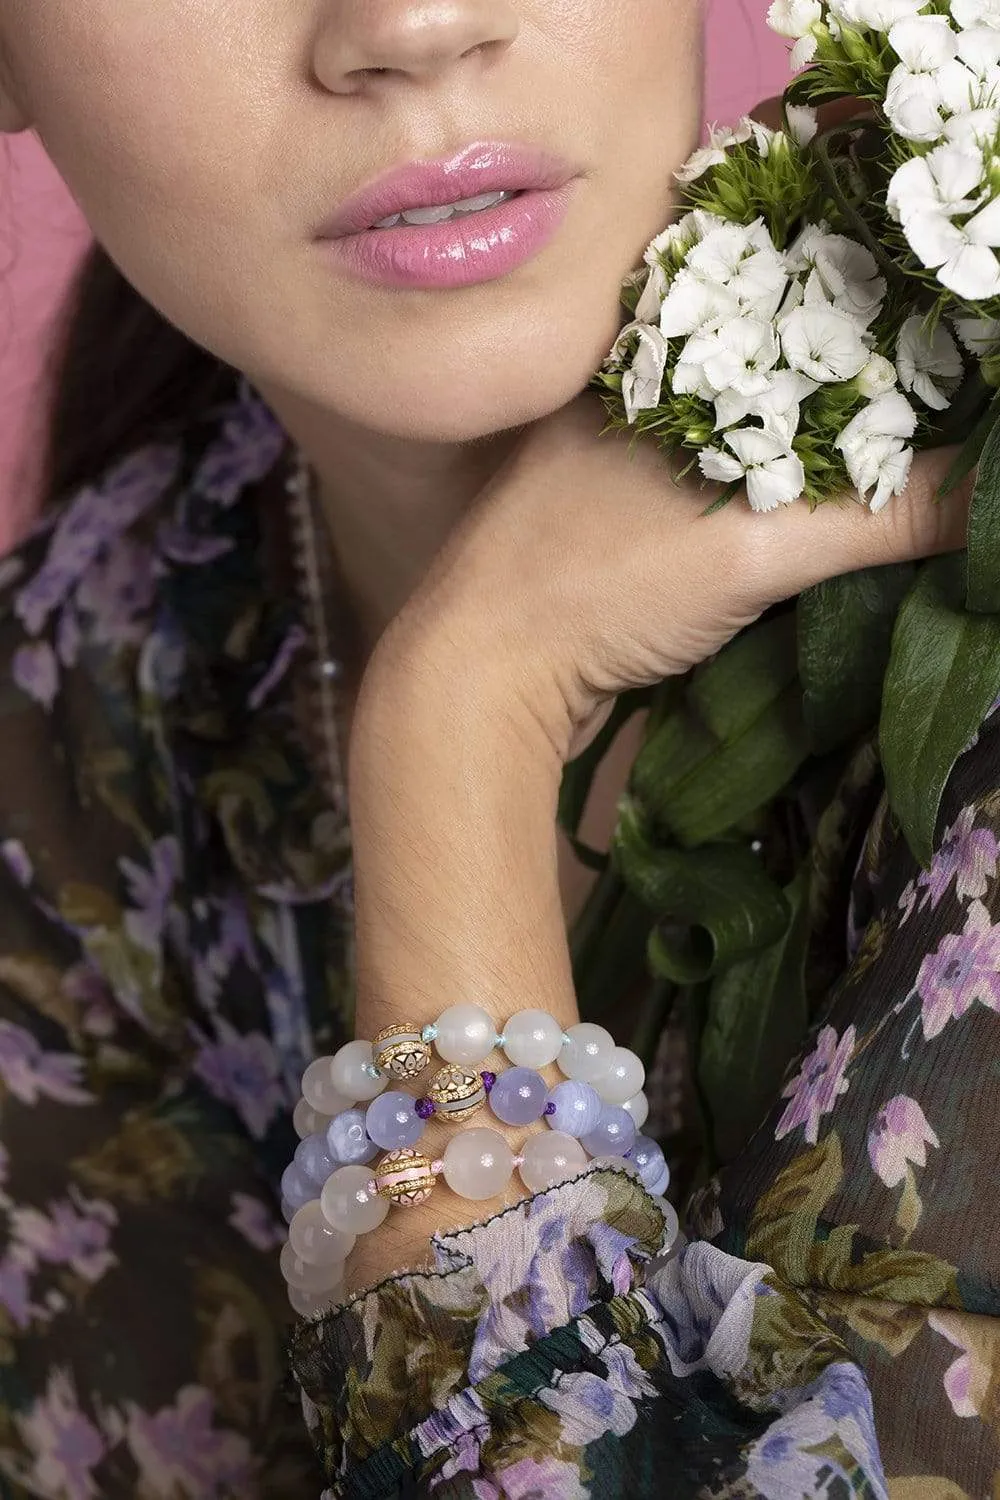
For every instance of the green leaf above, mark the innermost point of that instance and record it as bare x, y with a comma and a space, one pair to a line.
714, 905
943, 676
733, 741
984, 520
845, 635
757, 1018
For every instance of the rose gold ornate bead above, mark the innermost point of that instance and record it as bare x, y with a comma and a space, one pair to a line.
401, 1051
457, 1092
405, 1176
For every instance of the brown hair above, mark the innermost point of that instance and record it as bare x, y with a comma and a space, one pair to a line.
117, 375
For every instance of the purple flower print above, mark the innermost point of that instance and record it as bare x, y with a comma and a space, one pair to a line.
117, 591
31, 1074
820, 1081
534, 1479
75, 1233
18, 861
968, 1379
899, 1135
179, 1452
151, 893
16, 1265
250, 443
97, 514
967, 855
242, 1069
591, 1405
36, 672
176, 542
288, 649
964, 968
256, 1223
89, 992
65, 1445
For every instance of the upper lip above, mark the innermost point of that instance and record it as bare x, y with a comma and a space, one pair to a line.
483, 167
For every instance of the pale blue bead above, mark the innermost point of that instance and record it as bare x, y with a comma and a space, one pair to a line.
518, 1096
614, 1134
287, 1211
348, 1140
648, 1157
661, 1184
392, 1120
313, 1159
296, 1189
577, 1108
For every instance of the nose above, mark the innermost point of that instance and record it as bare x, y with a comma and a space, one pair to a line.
364, 43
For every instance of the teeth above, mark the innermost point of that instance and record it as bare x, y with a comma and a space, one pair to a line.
440, 213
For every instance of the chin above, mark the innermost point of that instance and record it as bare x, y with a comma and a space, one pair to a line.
459, 390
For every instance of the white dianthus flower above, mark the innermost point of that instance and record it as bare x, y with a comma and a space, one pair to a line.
794, 18
772, 471
720, 139
823, 343
777, 406
874, 448
802, 123
874, 15
923, 360
737, 357
692, 305
978, 335
947, 181
846, 271
877, 377
642, 381
968, 13
962, 256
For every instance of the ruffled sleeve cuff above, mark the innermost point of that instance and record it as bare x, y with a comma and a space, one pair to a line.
400, 1380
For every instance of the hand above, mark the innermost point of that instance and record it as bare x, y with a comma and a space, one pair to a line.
584, 570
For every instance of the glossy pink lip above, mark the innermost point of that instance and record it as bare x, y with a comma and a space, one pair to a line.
459, 252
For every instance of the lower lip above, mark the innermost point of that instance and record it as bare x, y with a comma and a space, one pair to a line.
460, 252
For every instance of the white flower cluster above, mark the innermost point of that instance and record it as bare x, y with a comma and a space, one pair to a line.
754, 332
942, 97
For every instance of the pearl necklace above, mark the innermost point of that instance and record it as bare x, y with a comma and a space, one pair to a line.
326, 669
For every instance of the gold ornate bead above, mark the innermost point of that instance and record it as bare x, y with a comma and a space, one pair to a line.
457, 1092
405, 1177
401, 1051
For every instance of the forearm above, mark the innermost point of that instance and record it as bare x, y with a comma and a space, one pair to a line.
456, 885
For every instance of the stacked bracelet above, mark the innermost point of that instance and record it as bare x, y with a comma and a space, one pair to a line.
347, 1116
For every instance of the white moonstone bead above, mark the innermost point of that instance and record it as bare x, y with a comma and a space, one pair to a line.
624, 1077
319, 1090
309, 1278
587, 1053
309, 1304
550, 1157
638, 1108
465, 1034
314, 1239
350, 1201
308, 1121
478, 1163
532, 1039
352, 1071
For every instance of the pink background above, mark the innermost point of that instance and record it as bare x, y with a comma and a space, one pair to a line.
42, 235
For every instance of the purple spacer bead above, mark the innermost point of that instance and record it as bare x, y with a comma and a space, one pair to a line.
549, 1109
489, 1079
424, 1108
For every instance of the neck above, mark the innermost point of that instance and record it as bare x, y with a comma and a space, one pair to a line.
389, 503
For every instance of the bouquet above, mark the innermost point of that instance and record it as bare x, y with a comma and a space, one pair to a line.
826, 302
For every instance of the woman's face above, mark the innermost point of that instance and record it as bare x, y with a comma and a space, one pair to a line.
207, 142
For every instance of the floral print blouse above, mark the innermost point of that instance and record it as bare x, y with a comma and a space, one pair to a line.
175, 945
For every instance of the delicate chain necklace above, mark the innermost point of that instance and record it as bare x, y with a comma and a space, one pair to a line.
326, 669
